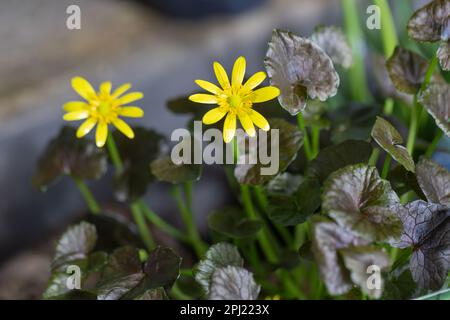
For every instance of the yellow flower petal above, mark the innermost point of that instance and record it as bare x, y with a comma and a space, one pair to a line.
101, 134
247, 123
259, 120
214, 115
76, 115
105, 87
123, 127
221, 75
204, 98
229, 127
121, 90
72, 106
131, 112
208, 86
255, 80
130, 97
83, 88
86, 127
238, 72
265, 94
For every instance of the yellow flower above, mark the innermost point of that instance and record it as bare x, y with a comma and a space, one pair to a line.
102, 108
235, 99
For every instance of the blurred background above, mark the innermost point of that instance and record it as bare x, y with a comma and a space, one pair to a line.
160, 46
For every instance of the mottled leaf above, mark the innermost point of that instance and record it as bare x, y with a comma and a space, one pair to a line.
403, 181
68, 155
233, 223
290, 210
436, 100
358, 199
300, 69
335, 44
165, 170
358, 259
427, 231
327, 239
233, 283
285, 184
391, 141
338, 156
218, 256
434, 180
443, 55
427, 23
407, 70
290, 140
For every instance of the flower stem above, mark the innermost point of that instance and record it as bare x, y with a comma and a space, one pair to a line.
114, 153
142, 226
386, 166
185, 208
160, 223
306, 142
315, 141
87, 195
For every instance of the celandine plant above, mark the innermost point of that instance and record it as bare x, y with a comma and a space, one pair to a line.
352, 210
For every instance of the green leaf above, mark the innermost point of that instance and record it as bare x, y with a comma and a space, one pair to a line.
390, 140
403, 181
427, 232
295, 209
358, 199
440, 295
399, 284
358, 259
426, 24
434, 180
137, 154
218, 256
338, 156
300, 69
283, 184
289, 142
435, 100
165, 170
233, 283
443, 55
68, 155
335, 44
407, 70
233, 223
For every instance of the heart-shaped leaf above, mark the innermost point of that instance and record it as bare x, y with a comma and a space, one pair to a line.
165, 170
335, 44
137, 154
358, 199
281, 148
68, 155
300, 69
284, 184
443, 55
338, 156
233, 223
427, 23
403, 181
427, 231
218, 256
391, 141
435, 99
407, 70
434, 180
233, 283
295, 209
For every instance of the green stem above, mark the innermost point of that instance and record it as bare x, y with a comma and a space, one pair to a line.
188, 219
388, 32
142, 226
114, 153
374, 157
413, 128
306, 142
433, 144
87, 195
315, 141
386, 166
429, 74
160, 223
357, 73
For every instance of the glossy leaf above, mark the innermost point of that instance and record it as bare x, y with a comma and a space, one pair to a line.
165, 170
358, 199
233, 283
391, 141
426, 24
300, 69
435, 100
434, 180
443, 55
68, 155
233, 223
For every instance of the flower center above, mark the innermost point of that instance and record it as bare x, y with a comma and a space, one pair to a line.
104, 108
235, 101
